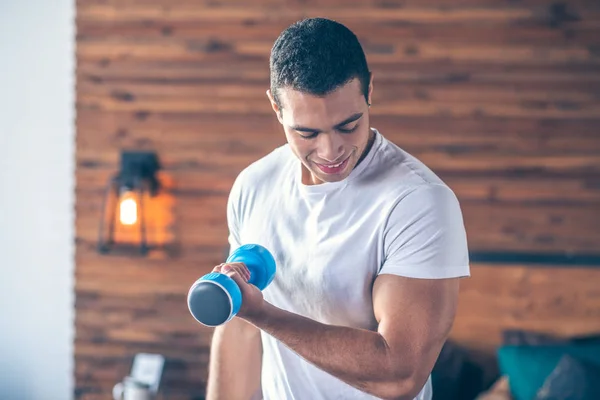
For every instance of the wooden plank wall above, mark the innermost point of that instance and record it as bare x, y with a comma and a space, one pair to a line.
500, 98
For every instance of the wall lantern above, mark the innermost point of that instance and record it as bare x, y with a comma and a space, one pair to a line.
127, 222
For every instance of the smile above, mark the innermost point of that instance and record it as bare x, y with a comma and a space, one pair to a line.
333, 168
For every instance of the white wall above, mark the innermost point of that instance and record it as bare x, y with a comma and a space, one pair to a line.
36, 200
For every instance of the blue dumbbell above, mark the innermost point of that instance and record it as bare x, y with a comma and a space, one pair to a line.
215, 298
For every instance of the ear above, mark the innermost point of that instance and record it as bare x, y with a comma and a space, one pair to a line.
274, 106
370, 90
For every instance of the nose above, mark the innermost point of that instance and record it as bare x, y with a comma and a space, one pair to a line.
330, 147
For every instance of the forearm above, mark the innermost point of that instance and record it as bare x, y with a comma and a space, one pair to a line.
358, 357
235, 362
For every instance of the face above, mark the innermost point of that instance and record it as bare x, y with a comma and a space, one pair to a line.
328, 134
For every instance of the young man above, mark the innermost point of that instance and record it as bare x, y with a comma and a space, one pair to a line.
369, 243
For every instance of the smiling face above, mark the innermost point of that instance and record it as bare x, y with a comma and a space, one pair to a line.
329, 134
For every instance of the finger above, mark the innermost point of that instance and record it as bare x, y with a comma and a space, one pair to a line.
218, 268
238, 269
233, 274
241, 269
244, 270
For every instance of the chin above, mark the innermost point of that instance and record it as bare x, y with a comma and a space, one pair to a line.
330, 178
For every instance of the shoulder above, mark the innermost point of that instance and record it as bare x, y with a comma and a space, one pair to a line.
411, 193
427, 216
405, 168
402, 177
264, 172
432, 198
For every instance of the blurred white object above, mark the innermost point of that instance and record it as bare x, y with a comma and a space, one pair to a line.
143, 381
131, 389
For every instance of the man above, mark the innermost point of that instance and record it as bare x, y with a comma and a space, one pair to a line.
369, 243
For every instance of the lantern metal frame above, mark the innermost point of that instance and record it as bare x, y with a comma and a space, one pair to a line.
138, 174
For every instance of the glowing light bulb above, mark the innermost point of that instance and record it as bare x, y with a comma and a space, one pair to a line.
128, 211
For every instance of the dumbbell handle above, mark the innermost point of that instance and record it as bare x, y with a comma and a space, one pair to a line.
215, 298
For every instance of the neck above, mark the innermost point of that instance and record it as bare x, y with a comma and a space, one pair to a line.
367, 148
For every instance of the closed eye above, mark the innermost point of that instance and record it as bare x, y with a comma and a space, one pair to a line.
314, 135
342, 127
346, 130
341, 130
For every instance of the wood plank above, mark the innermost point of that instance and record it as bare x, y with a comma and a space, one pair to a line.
560, 301
196, 353
202, 50
528, 191
577, 4
258, 14
533, 228
184, 332
93, 267
437, 72
399, 108
175, 371
371, 34
541, 98
189, 235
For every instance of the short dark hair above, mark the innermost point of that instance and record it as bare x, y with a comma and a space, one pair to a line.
317, 56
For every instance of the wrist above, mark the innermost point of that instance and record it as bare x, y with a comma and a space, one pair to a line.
260, 314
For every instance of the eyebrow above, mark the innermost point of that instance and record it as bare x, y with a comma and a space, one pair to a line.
348, 120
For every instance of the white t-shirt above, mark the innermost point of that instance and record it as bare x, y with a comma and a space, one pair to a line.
391, 215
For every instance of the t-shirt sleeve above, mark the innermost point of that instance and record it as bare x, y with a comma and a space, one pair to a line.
424, 236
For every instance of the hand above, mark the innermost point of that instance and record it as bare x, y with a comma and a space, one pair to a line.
252, 298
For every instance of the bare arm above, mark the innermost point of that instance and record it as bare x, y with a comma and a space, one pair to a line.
415, 317
235, 362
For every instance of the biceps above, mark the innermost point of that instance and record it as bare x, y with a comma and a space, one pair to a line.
415, 314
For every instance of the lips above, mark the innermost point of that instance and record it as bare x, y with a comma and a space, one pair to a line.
333, 168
